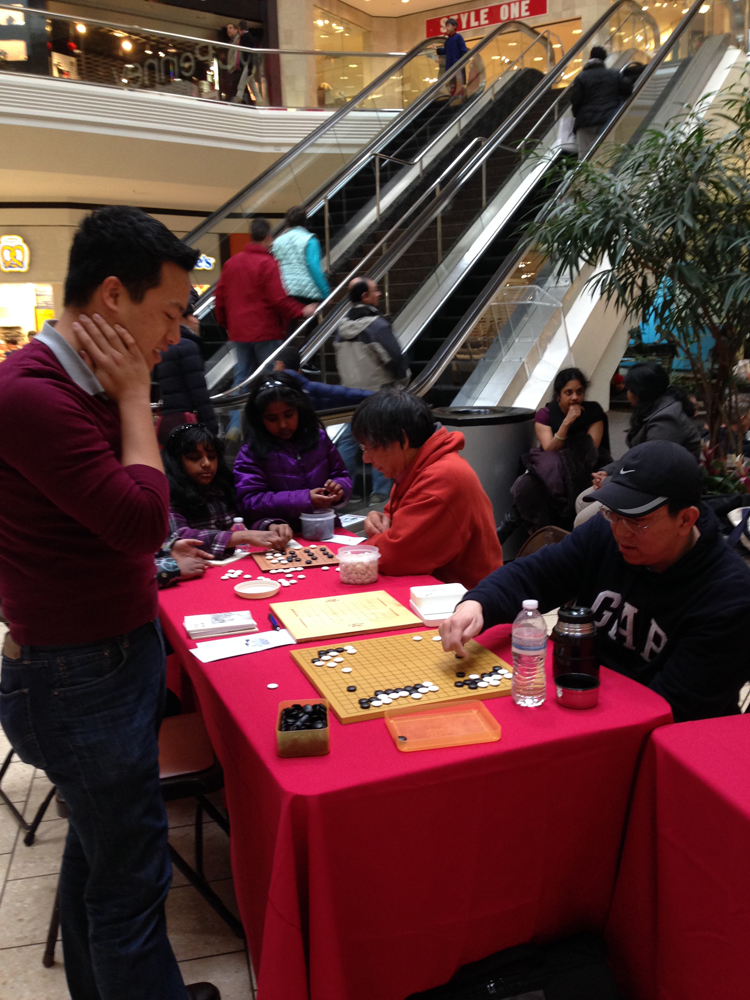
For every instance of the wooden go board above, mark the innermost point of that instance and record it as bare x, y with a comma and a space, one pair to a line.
393, 662
343, 614
302, 557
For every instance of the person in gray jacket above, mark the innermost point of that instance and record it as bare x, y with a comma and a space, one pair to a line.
367, 353
660, 413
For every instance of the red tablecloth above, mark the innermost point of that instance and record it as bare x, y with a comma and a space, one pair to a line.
370, 873
680, 921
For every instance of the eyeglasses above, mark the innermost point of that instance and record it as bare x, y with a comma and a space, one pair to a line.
637, 527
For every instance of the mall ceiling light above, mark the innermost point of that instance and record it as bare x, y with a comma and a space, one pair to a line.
319, 23
160, 55
704, 9
353, 65
81, 29
126, 44
149, 52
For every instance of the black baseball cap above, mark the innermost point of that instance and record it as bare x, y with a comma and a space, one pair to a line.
649, 476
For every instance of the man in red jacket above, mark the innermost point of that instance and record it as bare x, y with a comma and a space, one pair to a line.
438, 519
84, 505
253, 307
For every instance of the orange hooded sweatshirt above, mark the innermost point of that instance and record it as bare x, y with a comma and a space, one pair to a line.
442, 521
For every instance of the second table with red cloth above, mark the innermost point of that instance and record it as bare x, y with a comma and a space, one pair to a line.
370, 873
680, 921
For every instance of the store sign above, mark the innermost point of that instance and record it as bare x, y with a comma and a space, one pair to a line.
205, 263
480, 17
14, 254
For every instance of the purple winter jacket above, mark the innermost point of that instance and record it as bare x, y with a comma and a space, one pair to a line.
278, 486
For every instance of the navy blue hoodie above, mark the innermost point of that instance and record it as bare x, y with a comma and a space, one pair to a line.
684, 632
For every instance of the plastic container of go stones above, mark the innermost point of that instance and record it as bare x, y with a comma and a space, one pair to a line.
304, 742
318, 525
358, 564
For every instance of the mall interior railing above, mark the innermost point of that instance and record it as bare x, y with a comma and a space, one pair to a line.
131, 57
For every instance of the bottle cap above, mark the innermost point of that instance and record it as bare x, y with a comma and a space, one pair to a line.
577, 615
238, 520
530, 605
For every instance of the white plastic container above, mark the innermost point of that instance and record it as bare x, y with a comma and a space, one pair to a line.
318, 526
436, 603
358, 564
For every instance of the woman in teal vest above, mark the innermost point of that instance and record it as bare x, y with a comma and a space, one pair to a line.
297, 251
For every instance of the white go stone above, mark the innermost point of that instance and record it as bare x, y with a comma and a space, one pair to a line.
317, 663
417, 638
483, 684
346, 670
436, 638
416, 695
313, 546
225, 577
339, 659
473, 677
494, 682
423, 690
248, 576
325, 568
377, 703
434, 687
301, 576
272, 686
385, 700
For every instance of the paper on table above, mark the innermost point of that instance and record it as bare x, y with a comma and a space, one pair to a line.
239, 645
348, 519
346, 539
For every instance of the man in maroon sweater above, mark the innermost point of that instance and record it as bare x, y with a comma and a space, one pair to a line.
83, 507
251, 304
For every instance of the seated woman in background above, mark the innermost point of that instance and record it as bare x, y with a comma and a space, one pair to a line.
202, 502
573, 437
660, 413
288, 466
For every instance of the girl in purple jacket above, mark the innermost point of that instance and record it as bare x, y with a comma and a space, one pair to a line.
288, 466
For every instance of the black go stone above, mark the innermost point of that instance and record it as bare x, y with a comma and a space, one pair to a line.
460, 673
458, 684
472, 685
298, 717
339, 649
352, 687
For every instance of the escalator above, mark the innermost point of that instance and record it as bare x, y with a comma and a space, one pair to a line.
435, 264
488, 355
450, 221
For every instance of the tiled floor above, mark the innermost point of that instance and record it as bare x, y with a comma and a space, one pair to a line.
205, 947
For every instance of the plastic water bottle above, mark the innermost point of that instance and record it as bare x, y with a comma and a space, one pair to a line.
529, 684
238, 524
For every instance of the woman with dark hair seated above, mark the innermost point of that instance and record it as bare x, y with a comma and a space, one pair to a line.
288, 466
660, 413
202, 501
438, 519
573, 435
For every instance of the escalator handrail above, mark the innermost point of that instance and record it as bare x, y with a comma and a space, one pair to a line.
437, 204
270, 172
429, 376
135, 29
317, 199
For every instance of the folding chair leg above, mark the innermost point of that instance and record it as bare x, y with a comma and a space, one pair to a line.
29, 838
199, 840
214, 813
17, 815
207, 892
48, 959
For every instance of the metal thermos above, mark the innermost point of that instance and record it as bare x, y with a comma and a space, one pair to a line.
574, 639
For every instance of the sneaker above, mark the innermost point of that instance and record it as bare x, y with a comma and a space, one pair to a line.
203, 991
375, 499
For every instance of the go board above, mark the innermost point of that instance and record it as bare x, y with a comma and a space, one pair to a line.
297, 557
343, 614
395, 662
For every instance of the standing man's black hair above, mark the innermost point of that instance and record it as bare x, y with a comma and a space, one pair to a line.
122, 242
357, 290
393, 415
242, 25
259, 229
598, 52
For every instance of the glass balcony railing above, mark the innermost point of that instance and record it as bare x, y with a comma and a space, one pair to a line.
129, 57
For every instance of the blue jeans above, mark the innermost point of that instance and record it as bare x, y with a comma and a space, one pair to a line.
89, 716
351, 453
250, 355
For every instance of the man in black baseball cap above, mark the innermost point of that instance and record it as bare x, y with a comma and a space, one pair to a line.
672, 601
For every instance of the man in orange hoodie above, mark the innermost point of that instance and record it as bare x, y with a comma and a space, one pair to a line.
438, 519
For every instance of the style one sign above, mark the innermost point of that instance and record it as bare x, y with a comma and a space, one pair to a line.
481, 16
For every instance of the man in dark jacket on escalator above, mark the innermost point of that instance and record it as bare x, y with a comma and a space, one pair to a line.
596, 94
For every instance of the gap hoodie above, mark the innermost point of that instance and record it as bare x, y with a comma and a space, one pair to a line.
683, 632
367, 353
442, 521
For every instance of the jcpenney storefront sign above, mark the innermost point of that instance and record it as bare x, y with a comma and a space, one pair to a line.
481, 16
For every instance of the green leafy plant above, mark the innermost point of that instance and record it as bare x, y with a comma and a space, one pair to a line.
670, 220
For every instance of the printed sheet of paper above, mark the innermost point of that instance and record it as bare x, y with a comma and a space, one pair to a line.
239, 645
343, 614
347, 539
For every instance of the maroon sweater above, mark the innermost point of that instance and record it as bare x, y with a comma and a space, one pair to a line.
78, 531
